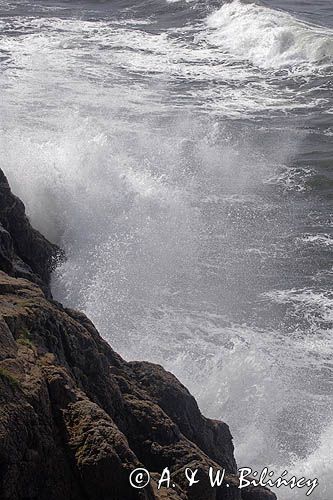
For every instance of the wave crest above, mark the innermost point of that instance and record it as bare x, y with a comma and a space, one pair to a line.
269, 38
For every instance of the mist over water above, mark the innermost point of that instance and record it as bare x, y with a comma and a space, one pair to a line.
181, 154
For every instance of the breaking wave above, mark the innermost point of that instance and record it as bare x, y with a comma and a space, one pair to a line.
269, 38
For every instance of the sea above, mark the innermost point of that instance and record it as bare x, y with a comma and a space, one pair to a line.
181, 153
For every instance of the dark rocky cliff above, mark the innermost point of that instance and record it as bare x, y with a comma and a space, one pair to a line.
75, 418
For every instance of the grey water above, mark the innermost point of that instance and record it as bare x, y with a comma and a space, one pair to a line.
181, 153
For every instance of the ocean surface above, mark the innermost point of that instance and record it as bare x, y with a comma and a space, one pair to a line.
181, 152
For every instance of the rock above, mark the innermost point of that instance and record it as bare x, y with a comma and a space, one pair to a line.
257, 493
212, 436
75, 418
24, 252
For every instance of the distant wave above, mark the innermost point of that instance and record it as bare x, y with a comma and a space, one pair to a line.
269, 38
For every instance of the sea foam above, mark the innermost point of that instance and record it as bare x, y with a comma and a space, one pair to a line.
269, 38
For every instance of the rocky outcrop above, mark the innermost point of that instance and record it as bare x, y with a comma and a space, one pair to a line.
75, 418
24, 252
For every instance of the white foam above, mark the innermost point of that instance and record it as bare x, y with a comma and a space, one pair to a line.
89, 52
269, 38
293, 179
314, 305
323, 240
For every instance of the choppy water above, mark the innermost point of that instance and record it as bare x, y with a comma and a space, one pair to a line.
181, 152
